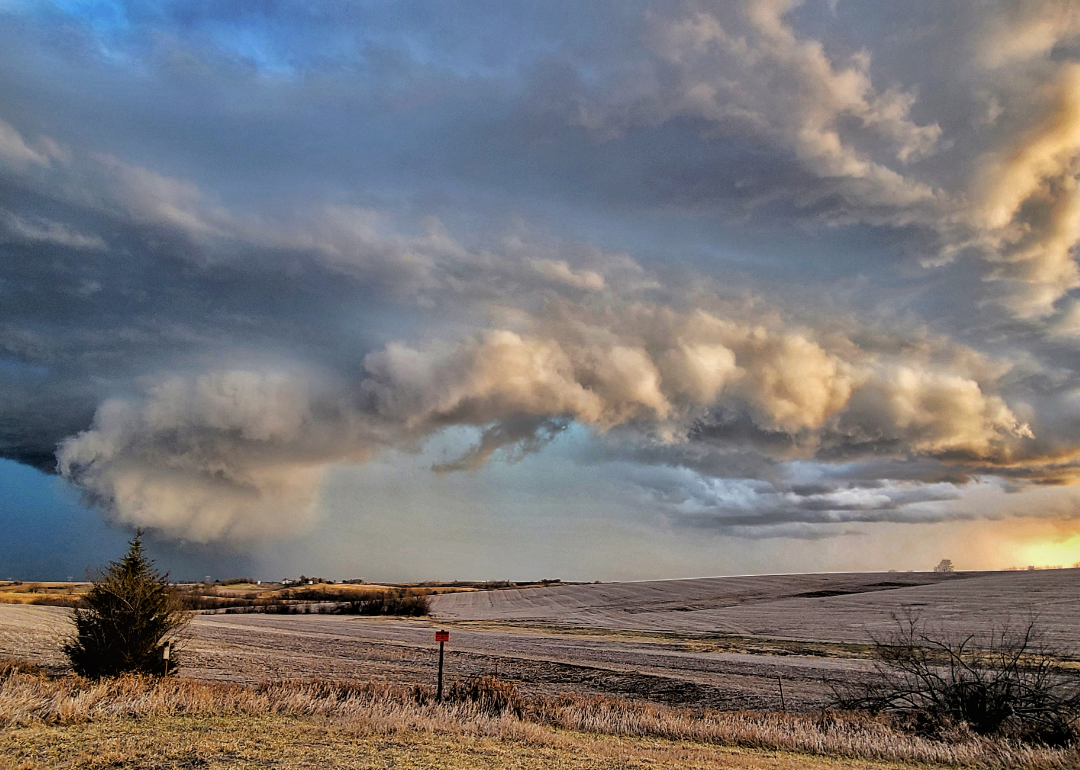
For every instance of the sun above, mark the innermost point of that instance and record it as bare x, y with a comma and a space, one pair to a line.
1060, 553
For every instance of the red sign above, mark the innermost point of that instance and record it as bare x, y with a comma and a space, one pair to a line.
442, 636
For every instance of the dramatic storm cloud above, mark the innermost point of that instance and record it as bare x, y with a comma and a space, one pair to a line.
761, 270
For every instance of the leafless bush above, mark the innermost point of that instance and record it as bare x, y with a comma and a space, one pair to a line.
1008, 682
319, 594
201, 599
400, 603
56, 601
491, 695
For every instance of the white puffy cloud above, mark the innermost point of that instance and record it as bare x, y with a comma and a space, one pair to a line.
656, 367
1030, 202
743, 68
934, 414
1019, 30
239, 455
559, 270
228, 456
16, 153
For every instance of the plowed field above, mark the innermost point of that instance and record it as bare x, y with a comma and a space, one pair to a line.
720, 642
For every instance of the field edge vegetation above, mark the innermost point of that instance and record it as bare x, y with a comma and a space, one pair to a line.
492, 708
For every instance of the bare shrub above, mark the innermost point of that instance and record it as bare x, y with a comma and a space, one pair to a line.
56, 601
491, 695
319, 594
123, 623
400, 603
1008, 682
201, 599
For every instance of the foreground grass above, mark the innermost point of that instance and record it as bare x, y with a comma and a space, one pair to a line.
217, 743
133, 722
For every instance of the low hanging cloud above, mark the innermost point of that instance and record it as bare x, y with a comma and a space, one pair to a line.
211, 458
239, 455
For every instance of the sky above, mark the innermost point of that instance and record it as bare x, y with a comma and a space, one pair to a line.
521, 290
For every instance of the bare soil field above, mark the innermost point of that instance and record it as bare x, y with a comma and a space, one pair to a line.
254, 648
839, 608
718, 642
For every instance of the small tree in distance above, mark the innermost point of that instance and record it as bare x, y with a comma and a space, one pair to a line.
124, 621
945, 565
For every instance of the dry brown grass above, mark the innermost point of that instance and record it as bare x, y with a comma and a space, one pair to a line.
345, 590
28, 701
235, 743
52, 594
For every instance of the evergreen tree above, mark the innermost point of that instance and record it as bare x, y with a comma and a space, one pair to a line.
125, 620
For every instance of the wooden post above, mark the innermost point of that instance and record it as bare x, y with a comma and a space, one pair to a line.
442, 637
165, 654
438, 694
783, 705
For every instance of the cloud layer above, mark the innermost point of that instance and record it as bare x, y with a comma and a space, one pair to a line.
785, 271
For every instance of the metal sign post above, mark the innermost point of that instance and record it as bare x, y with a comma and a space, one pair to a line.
442, 637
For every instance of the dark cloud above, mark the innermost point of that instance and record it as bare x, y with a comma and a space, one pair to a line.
240, 244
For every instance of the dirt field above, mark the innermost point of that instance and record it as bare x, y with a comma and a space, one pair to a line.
825, 607
717, 642
252, 648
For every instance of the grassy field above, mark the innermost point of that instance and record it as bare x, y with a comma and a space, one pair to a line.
132, 722
217, 743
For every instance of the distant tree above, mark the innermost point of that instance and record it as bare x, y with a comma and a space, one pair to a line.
945, 565
123, 623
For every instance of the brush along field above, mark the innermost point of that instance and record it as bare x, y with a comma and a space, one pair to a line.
18, 592
135, 722
211, 595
